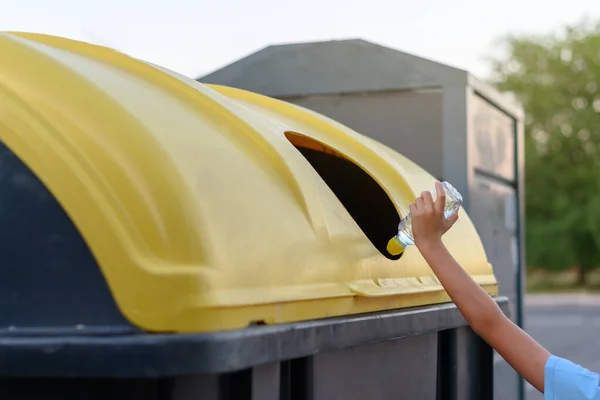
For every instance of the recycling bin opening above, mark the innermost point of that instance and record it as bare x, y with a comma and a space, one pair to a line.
364, 199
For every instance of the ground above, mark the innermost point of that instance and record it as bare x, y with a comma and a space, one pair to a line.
568, 325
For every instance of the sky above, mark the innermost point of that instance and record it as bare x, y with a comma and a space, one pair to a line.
195, 37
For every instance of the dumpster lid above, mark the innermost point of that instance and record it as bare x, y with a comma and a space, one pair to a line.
211, 208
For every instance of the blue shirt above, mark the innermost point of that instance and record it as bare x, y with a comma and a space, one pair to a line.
564, 380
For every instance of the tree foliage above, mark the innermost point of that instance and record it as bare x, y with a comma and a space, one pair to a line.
557, 79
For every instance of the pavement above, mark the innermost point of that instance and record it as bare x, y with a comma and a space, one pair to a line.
568, 325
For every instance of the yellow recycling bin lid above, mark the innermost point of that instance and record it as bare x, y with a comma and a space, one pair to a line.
210, 208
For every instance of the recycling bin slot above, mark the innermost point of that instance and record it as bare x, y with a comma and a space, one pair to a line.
365, 200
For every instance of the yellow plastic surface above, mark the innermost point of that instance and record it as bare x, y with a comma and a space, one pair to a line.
200, 212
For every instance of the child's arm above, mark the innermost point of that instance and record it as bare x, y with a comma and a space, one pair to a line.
523, 353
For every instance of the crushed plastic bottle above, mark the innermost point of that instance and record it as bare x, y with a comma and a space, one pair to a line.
405, 238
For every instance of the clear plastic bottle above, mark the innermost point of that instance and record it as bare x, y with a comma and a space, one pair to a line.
404, 238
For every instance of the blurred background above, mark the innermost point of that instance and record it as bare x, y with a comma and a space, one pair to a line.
544, 55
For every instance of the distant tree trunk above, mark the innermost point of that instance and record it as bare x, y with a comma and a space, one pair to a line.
581, 275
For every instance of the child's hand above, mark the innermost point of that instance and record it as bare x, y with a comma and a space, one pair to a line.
428, 220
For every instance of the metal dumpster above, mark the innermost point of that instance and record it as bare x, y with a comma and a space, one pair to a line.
453, 125
166, 239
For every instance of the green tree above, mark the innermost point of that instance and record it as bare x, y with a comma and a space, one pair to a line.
557, 79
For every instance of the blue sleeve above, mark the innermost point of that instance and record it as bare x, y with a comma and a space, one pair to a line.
564, 380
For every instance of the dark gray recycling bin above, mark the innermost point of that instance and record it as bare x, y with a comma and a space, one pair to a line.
416, 353
120, 194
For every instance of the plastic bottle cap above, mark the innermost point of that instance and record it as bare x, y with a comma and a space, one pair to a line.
394, 247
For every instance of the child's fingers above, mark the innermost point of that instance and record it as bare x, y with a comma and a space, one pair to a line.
413, 208
420, 203
427, 200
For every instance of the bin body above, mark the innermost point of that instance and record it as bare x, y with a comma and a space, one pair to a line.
169, 238
424, 353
